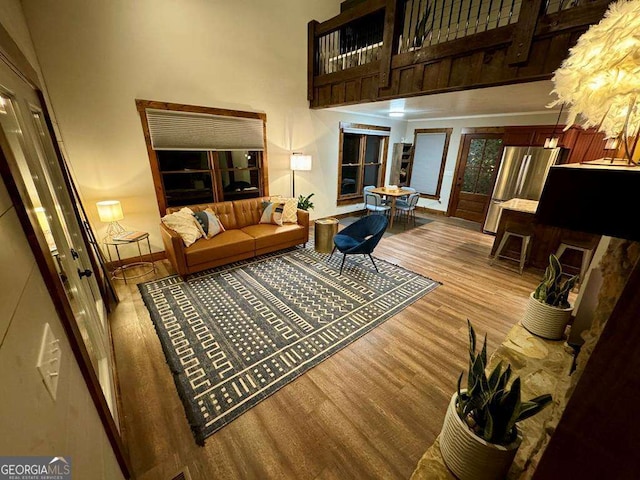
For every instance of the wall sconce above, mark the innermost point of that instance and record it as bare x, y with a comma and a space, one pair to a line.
299, 162
599, 79
110, 211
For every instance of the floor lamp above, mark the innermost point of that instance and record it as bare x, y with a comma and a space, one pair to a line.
299, 162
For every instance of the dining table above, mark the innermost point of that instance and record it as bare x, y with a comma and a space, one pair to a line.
393, 194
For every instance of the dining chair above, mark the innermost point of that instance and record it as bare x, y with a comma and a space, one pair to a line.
408, 208
373, 203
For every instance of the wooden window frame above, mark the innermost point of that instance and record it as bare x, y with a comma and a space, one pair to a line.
357, 196
212, 156
443, 161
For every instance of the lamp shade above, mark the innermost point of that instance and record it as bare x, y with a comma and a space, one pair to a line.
110, 211
300, 162
599, 80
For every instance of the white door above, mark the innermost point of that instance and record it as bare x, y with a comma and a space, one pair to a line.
31, 147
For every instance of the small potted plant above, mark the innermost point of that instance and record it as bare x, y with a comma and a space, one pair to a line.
304, 203
548, 311
479, 437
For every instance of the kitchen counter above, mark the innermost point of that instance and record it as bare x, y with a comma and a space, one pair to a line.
520, 205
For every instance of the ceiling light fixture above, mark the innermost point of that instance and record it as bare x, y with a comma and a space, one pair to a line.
396, 114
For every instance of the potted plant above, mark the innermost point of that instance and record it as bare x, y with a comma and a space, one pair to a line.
479, 437
304, 203
548, 310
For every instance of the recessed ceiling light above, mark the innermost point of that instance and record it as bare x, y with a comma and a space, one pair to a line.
396, 114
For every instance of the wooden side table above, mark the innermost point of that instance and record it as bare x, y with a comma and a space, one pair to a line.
119, 273
323, 233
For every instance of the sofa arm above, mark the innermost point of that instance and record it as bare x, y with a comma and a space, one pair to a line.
303, 220
174, 247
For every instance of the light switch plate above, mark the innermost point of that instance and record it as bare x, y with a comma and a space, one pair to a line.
49, 360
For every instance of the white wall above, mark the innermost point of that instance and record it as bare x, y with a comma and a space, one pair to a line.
31, 422
98, 56
454, 145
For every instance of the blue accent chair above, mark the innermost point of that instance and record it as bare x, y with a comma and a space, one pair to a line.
361, 236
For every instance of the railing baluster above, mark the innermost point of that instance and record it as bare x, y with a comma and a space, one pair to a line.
513, 2
441, 20
446, 39
478, 17
486, 23
432, 12
458, 20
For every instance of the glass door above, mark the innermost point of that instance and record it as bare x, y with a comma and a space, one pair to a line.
30, 145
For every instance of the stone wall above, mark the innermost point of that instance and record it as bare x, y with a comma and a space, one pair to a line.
544, 366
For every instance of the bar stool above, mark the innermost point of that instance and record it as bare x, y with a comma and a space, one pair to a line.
585, 249
524, 233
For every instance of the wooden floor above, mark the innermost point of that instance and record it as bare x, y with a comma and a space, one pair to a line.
369, 411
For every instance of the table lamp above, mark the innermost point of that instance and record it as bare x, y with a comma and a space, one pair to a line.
110, 211
300, 162
600, 81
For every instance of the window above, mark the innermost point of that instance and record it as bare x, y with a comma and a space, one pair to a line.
429, 156
204, 155
363, 159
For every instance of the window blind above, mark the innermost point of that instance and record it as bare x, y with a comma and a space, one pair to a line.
427, 160
367, 131
171, 130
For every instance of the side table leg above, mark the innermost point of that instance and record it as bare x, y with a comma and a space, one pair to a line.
153, 265
124, 273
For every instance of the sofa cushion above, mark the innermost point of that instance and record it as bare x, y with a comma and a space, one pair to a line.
225, 244
249, 211
267, 235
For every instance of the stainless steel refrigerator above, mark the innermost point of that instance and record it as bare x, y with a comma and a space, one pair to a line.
523, 171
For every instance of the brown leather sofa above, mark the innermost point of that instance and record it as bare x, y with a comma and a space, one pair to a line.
244, 237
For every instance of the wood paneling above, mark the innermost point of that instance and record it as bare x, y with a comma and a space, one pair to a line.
369, 411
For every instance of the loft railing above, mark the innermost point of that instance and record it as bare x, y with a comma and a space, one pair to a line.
430, 22
356, 43
369, 51
554, 6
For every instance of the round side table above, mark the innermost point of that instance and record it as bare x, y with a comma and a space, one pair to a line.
119, 273
323, 233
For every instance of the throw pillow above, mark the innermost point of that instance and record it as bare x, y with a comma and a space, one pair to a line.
203, 223
213, 219
184, 224
209, 223
290, 212
272, 212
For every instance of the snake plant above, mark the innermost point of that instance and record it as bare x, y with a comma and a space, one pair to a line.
489, 407
553, 290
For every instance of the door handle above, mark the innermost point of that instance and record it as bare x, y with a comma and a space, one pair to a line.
87, 273
74, 254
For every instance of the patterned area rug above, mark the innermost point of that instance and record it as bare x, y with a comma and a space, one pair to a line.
234, 335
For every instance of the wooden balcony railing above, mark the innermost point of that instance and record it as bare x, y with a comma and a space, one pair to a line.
382, 49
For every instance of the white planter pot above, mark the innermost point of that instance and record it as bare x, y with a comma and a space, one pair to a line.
544, 320
470, 457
